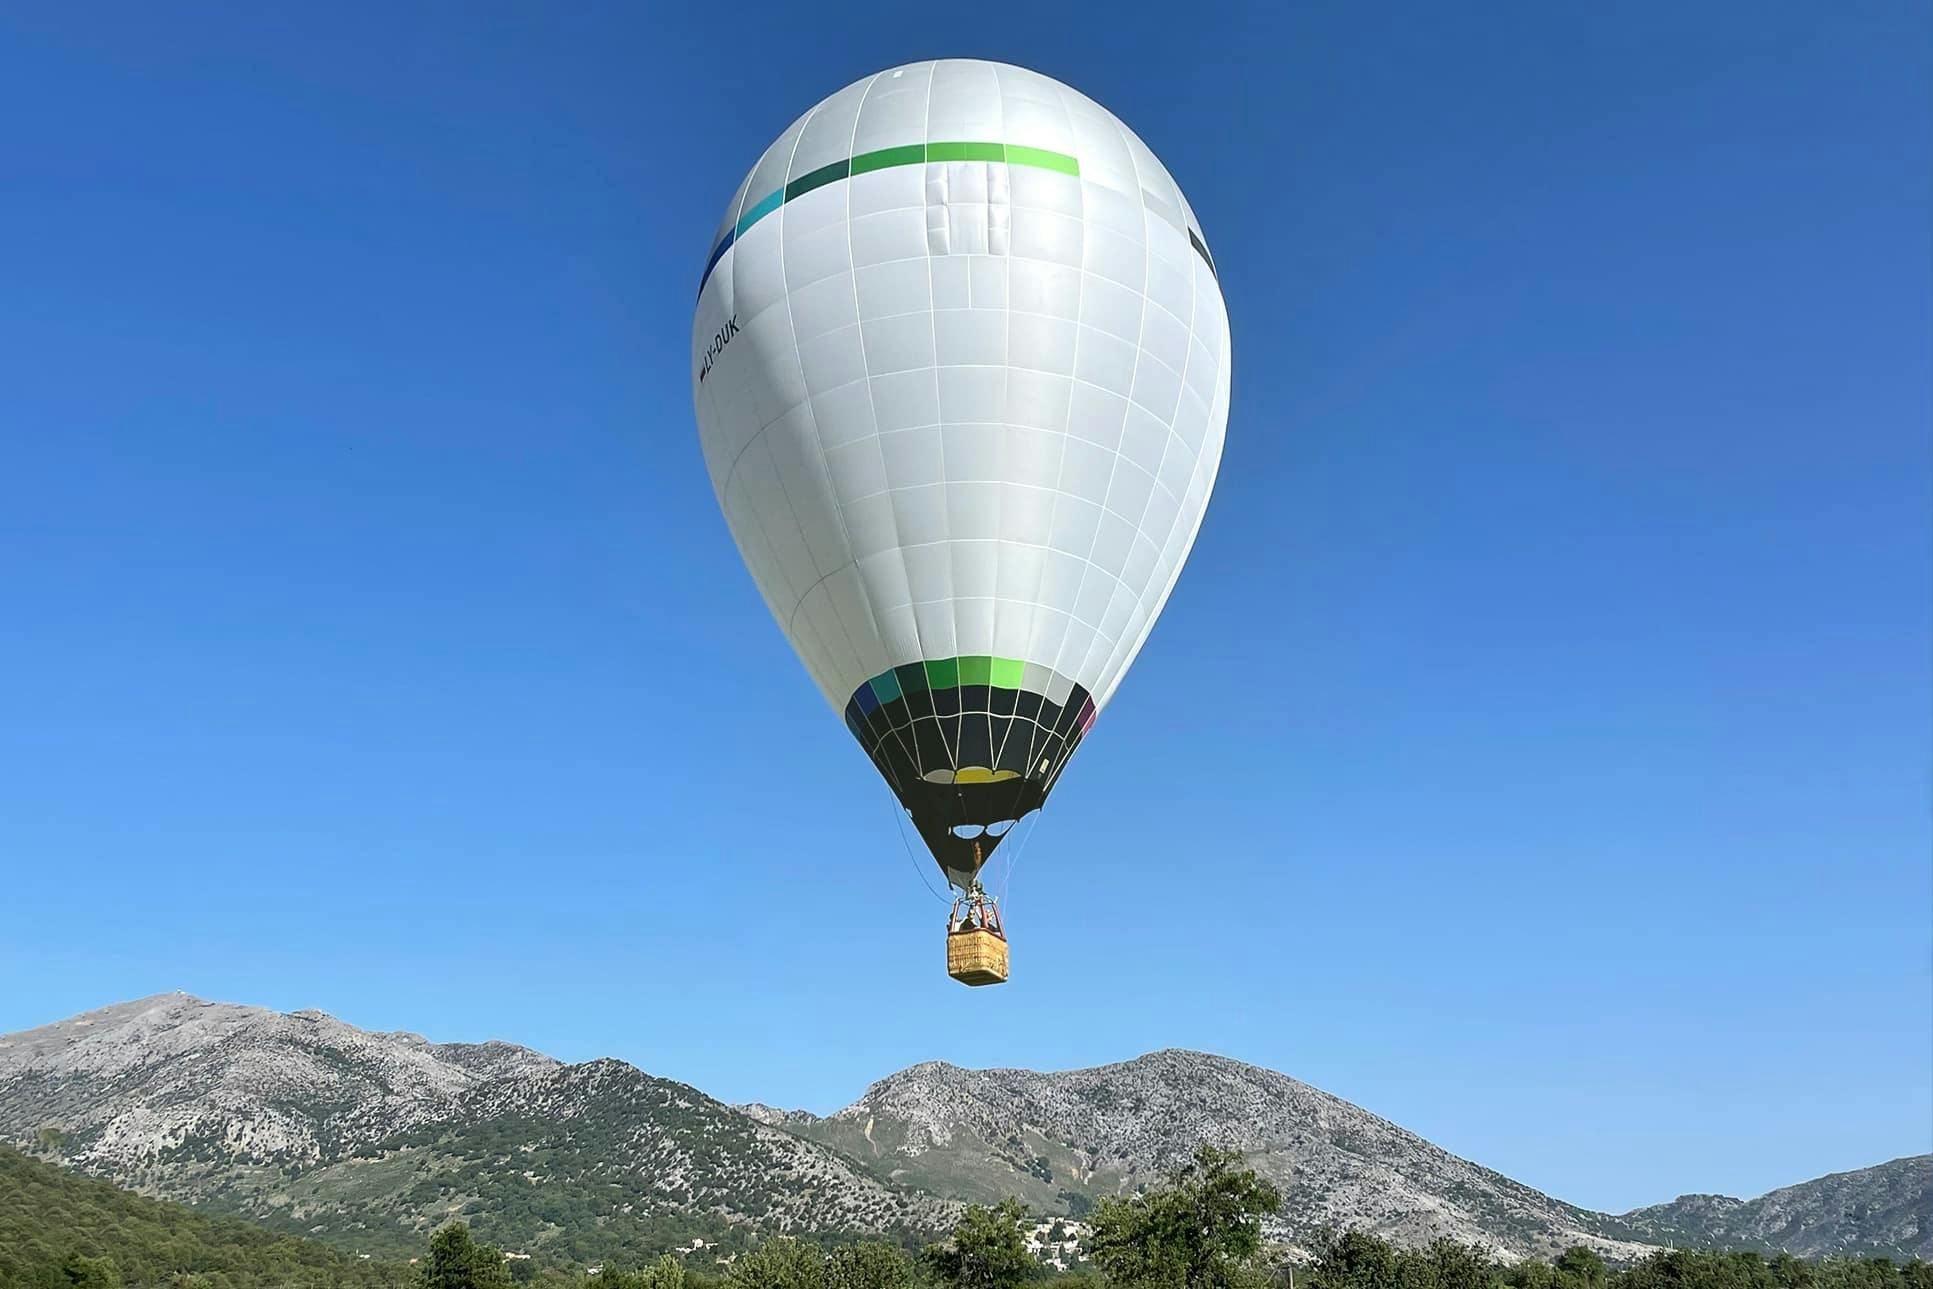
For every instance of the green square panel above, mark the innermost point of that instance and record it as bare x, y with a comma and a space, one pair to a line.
966, 152
1042, 158
976, 670
1006, 672
943, 673
910, 155
819, 178
911, 677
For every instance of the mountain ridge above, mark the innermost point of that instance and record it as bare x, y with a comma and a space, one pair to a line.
1901, 1189
372, 1139
1121, 1126
304, 1122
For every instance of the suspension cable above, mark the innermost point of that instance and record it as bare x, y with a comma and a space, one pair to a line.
1013, 861
899, 822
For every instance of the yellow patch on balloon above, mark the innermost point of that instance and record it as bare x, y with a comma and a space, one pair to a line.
980, 774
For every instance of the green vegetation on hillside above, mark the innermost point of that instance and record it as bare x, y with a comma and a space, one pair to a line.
59, 1229
1202, 1230
1357, 1261
601, 1163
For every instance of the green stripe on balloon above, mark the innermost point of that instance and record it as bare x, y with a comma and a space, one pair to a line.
948, 673
817, 179
1041, 159
967, 152
912, 154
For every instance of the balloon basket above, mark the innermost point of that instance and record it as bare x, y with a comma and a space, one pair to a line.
976, 943
976, 957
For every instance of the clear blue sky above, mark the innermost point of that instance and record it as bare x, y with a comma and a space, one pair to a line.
1545, 705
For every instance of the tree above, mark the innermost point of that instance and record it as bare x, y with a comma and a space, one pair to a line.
1203, 1230
1355, 1260
1451, 1264
458, 1262
1079, 1278
988, 1249
668, 1272
1528, 1274
90, 1273
1580, 1268
779, 1263
868, 1265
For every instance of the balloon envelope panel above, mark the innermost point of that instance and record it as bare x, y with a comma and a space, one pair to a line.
961, 370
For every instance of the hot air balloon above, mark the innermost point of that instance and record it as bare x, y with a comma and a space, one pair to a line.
960, 363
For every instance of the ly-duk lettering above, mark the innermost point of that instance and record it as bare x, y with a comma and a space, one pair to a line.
717, 346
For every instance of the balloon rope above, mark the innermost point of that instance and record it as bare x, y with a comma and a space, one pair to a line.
918, 867
1014, 862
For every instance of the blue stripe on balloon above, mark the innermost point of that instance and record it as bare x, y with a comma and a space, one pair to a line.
724, 244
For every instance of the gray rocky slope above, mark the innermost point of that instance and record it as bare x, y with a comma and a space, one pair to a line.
369, 1139
1885, 1210
1059, 1139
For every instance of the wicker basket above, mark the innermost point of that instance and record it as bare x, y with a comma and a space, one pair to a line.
976, 957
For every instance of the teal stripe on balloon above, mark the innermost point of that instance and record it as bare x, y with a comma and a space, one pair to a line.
765, 207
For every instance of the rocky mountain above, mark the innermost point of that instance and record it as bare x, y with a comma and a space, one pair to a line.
1884, 1211
367, 1140
192, 1089
1061, 1140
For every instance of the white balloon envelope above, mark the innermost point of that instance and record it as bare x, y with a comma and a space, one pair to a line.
961, 370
